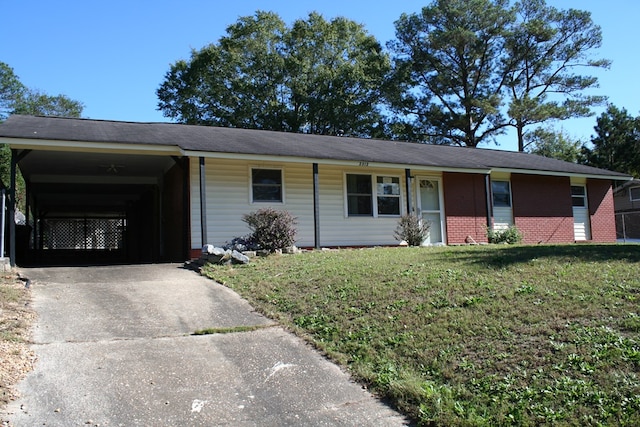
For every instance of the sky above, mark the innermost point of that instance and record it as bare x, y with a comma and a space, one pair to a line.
113, 55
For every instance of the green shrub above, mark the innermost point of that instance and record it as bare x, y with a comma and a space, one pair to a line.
271, 229
412, 230
509, 235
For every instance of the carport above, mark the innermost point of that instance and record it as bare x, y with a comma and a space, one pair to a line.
91, 202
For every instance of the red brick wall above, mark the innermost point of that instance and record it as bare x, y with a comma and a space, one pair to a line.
542, 208
464, 207
601, 209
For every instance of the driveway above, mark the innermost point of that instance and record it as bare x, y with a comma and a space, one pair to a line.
114, 348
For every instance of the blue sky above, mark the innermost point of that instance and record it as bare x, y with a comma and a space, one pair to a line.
113, 55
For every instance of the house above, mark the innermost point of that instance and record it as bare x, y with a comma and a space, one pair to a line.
146, 192
626, 201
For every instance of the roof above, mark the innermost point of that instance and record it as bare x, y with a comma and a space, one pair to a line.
199, 140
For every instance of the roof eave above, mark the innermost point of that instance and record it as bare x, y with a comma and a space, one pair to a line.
560, 173
88, 146
333, 162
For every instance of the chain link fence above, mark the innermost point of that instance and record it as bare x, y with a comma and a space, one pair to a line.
628, 226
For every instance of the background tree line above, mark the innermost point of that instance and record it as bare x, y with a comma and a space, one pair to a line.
459, 72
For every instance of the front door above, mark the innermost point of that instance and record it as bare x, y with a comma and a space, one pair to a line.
430, 203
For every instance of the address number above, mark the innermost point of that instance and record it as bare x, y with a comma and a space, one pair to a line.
363, 164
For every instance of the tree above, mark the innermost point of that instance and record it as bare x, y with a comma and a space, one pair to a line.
10, 90
550, 143
616, 145
317, 76
448, 74
36, 103
549, 45
466, 70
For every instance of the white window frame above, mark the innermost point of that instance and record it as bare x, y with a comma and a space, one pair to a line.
583, 197
374, 196
631, 194
282, 186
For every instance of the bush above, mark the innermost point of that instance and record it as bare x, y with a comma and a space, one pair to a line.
271, 229
412, 230
509, 235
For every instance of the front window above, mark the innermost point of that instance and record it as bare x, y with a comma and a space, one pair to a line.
634, 193
359, 196
365, 199
388, 193
266, 185
501, 192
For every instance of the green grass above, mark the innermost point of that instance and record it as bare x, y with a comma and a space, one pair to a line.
478, 336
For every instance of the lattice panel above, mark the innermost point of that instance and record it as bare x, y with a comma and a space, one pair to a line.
83, 233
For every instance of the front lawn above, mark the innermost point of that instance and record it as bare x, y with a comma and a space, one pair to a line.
485, 335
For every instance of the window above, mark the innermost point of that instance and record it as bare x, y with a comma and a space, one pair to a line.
501, 192
266, 185
578, 196
388, 194
359, 197
361, 194
634, 193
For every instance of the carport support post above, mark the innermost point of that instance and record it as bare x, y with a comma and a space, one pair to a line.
316, 207
203, 203
12, 208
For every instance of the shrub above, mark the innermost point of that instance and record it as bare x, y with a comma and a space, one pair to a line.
271, 229
509, 235
412, 230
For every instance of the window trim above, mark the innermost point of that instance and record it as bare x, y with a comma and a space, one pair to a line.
374, 195
631, 196
282, 186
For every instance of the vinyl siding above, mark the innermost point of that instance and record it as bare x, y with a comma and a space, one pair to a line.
336, 229
227, 198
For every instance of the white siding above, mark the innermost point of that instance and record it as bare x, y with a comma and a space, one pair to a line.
502, 218
336, 229
227, 198
581, 229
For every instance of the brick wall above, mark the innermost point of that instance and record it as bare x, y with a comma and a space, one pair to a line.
601, 209
465, 207
542, 208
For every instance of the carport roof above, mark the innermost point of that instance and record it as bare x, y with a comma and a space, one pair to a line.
21, 131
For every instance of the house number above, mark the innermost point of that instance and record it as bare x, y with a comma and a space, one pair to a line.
363, 164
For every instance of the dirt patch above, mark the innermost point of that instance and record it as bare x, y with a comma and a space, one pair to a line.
16, 318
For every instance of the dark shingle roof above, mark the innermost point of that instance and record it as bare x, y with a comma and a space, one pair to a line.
257, 142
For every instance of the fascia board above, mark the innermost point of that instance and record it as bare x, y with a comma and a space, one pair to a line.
555, 173
332, 162
93, 147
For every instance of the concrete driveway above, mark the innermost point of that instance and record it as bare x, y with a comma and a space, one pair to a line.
114, 348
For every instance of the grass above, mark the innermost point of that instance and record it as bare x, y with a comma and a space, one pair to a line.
477, 336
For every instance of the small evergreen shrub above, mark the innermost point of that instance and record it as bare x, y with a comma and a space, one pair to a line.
271, 229
509, 235
412, 230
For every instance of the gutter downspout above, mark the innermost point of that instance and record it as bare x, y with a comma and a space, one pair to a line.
487, 193
407, 177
